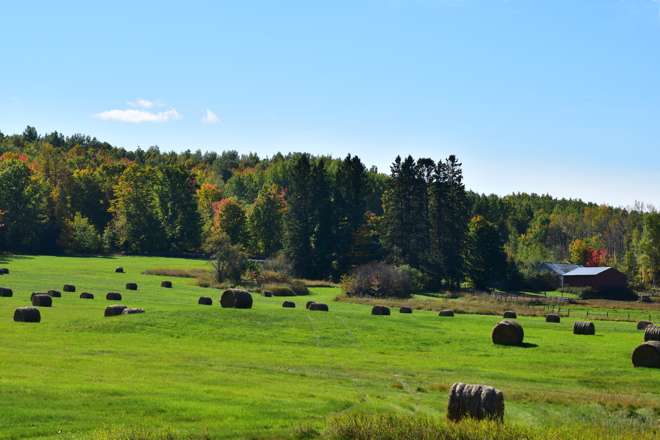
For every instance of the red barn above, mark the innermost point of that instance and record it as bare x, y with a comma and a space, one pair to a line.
599, 278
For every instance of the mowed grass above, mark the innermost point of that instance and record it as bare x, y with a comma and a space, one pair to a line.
271, 372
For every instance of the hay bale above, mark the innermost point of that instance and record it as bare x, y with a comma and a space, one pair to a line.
268, 294
289, 305
308, 303
476, 402
205, 301
380, 311
55, 293
405, 310
119, 270
86, 295
131, 286
510, 314
236, 298
652, 333
446, 312
641, 325
647, 355
552, 317
166, 284
4, 271
508, 333
113, 296
318, 307
69, 288
42, 300
27, 314
132, 311
115, 310
584, 328
6, 292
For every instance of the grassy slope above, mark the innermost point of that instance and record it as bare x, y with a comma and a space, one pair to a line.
264, 372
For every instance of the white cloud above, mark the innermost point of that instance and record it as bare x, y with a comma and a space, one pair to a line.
134, 116
141, 103
210, 117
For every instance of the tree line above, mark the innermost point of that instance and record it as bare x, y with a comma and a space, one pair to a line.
325, 216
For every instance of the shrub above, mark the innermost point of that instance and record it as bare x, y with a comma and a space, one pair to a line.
79, 236
229, 261
379, 280
418, 279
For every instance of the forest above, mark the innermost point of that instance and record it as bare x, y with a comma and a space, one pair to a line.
325, 216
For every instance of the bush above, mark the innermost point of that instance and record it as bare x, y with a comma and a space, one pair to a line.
295, 288
419, 281
272, 277
378, 280
229, 261
79, 236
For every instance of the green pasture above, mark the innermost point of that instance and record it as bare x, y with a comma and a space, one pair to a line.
271, 372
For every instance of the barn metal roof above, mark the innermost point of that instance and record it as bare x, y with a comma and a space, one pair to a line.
559, 268
587, 271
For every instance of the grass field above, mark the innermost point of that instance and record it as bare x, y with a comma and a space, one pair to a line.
270, 372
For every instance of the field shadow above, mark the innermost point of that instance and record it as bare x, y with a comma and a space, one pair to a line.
528, 345
4, 259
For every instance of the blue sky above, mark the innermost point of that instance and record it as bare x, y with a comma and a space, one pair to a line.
537, 96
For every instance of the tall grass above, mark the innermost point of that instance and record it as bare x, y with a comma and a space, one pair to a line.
410, 427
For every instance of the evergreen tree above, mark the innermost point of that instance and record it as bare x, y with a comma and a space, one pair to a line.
448, 214
322, 220
299, 219
405, 225
350, 206
485, 259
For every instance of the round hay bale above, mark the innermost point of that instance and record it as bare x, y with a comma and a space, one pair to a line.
205, 301
131, 286
584, 328
405, 310
380, 311
510, 314
119, 270
6, 292
268, 294
69, 288
236, 298
55, 293
27, 314
641, 325
42, 300
318, 307
289, 305
113, 296
4, 271
508, 333
131, 311
647, 355
166, 284
652, 333
476, 402
114, 310
86, 295
308, 303
447, 312
552, 317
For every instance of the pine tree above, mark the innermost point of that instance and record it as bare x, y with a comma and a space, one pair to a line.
350, 205
299, 225
486, 261
323, 221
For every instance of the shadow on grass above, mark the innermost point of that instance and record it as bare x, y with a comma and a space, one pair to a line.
528, 345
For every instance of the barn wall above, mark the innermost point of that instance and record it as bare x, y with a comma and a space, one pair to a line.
610, 279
